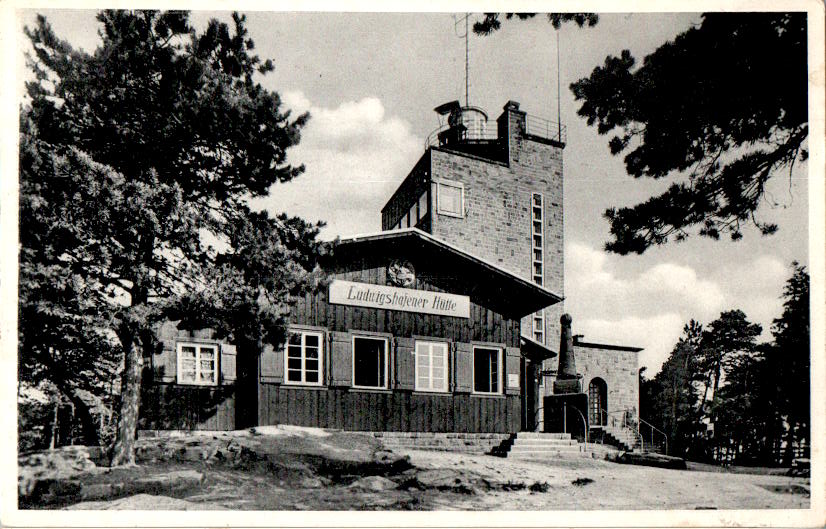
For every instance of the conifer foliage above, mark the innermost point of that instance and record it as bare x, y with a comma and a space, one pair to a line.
723, 106
724, 397
136, 164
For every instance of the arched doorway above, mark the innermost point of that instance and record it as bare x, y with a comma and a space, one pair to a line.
597, 402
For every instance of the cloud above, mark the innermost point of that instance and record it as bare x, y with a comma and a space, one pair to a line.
649, 306
656, 334
665, 287
355, 157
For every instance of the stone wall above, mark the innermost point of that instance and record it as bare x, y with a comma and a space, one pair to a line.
618, 367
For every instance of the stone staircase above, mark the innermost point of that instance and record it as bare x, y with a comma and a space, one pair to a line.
470, 443
621, 437
543, 445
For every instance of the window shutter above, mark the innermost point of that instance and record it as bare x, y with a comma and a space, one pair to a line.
464, 368
341, 358
272, 364
405, 364
512, 362
165, 362
228, 363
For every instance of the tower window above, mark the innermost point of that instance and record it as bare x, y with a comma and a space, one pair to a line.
539, 327
450, 198
537, 246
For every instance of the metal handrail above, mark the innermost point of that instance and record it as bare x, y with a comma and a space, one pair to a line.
653, 429
626, 425
584, 426
472, 133
545, 128
534, 125
581, 416
536, 415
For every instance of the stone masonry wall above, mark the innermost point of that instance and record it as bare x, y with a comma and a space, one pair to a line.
620, 371
497, 224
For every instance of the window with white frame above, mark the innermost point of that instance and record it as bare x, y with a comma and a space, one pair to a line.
539, 327
537, 248
197, 363
303, 357
431, 366
450, 199
487, 372
370, 362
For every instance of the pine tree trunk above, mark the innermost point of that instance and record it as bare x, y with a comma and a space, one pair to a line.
701, 407
81, 412
717, 369
123, 452
53, 442
89, 430
788, 457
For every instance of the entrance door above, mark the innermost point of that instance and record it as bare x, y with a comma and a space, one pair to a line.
597, 402
530, 392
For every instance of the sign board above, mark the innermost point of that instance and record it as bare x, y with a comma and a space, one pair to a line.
513, 380
395, 298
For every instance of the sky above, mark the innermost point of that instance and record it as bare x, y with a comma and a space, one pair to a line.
370, 82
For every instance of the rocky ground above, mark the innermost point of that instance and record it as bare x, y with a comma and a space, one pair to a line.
288, 468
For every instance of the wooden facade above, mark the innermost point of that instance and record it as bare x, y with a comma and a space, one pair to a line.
497, 301
396, 411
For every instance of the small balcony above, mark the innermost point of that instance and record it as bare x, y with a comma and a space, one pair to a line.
545, 128
469, 131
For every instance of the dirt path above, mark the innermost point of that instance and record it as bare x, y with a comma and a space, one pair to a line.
309, 469
615, 486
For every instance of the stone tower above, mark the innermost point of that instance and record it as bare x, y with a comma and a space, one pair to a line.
495, 191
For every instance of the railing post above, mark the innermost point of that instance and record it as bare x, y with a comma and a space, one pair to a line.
564, 417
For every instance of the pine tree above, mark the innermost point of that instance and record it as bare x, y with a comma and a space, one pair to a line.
723, 107
792, 358
674, 393
139, 162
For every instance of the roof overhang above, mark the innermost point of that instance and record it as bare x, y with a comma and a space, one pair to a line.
535, 351
519, 295
608, 347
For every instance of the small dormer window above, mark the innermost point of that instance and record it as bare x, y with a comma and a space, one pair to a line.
450, 198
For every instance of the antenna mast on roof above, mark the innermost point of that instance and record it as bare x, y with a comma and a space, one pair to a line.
456, 22
558, 108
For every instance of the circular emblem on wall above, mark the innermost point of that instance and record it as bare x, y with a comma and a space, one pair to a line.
400, 273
